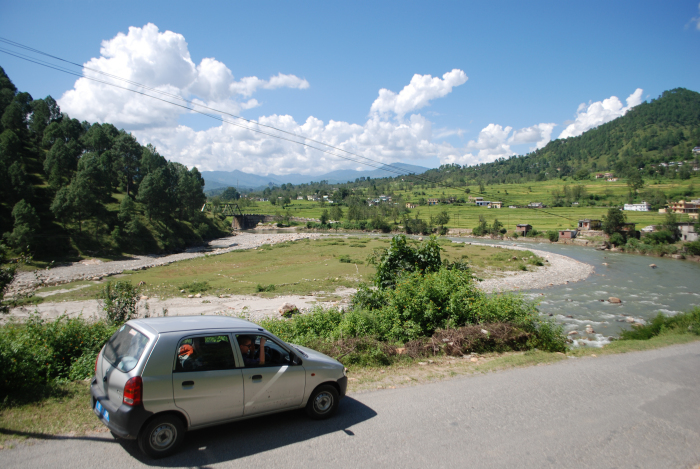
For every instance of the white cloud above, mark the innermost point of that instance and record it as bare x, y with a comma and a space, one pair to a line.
696, 20
160, 60
540, 134
417, 94
600, 112
393, 131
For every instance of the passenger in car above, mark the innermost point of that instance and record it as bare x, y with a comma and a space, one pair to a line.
247, 346
192, 356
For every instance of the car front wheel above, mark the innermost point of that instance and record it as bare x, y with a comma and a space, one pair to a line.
161, 436
323, 402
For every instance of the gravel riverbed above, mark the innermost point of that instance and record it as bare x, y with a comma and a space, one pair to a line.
558, 270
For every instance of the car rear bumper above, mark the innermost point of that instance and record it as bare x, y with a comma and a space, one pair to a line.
124, 421
343, 385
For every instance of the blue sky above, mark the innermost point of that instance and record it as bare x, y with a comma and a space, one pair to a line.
529, 66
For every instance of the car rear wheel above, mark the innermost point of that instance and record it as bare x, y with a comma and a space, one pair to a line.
323, 402
161, 436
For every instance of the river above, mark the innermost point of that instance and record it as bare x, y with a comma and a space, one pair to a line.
670, 288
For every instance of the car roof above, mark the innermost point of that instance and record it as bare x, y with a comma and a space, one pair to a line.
193, 323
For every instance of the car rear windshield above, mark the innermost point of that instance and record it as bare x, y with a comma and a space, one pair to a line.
125, 348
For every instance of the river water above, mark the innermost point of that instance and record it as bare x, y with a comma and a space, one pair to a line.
672, 287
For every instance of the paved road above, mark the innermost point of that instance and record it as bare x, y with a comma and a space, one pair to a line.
632, 410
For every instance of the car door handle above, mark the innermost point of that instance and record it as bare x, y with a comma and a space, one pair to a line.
257, 377
188, 383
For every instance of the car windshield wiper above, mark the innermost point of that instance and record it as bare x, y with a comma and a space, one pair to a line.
296, 347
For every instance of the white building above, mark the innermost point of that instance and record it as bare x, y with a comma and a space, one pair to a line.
643, 207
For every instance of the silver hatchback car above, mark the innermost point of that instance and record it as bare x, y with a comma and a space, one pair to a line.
157, 378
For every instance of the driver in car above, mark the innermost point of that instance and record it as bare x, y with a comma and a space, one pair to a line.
247, 346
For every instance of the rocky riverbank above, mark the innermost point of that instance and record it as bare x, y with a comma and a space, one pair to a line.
559, 270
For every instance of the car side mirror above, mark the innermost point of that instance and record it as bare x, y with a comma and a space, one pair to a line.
296, 360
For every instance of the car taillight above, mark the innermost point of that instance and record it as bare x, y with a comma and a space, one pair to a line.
133, 390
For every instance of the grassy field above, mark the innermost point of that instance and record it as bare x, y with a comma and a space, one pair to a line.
467, 215
299, 267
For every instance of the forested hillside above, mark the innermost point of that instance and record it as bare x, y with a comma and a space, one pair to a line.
663, 130
71, 188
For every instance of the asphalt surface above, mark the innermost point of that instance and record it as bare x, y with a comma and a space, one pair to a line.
629, 410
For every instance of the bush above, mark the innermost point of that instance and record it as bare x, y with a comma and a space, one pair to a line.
195, 287
264, 288
553, 236
118, 301
39, 352
659, 237
400, 258
688, 322
693, 248
617, 239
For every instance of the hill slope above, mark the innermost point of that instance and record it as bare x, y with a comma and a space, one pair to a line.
220, 179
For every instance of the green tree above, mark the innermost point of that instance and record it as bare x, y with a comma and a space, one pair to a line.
324, 217
19, 182
482, 228
60, 163
128, 156
10, 147
25, 228
635, 181
230, 193
496, 227
76, 201
336, 213
671, 225
190, 185
154, 194
614, 220
44, 111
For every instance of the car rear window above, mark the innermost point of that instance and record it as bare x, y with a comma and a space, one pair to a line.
125, 348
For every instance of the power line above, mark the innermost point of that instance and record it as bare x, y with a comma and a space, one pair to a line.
175, 96
369, 162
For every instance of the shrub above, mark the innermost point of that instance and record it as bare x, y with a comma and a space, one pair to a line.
118, 301
693, 248
553, 236
264, 288
659, 237
344, 258
399, 258
39, 352
683, 322
195, 287
617, 239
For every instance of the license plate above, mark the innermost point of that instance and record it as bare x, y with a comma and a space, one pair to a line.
101, 411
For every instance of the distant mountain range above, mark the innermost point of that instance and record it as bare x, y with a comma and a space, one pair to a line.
222, 179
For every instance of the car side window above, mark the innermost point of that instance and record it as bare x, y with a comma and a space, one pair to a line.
274, 354
205, 353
